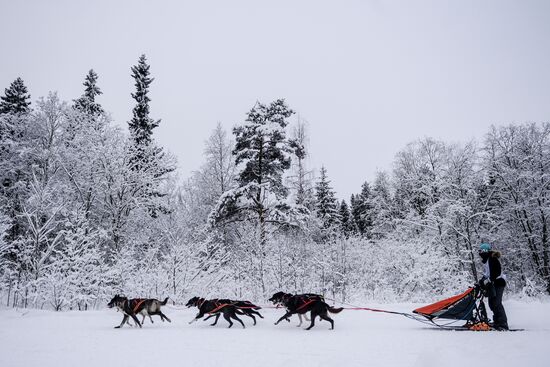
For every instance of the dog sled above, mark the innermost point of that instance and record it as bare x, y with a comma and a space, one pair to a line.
466, 308
465, 311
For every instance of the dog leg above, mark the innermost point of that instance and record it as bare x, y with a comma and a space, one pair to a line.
257, 313
326, 317
129, 322
252, 317
226, 316
199, 316
307, 318
299, 318
285, 316
164, 317
150, 318
313, 316
136, 320
215, 321
124, 320
234, 316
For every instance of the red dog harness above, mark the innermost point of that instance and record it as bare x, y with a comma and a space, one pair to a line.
139, 302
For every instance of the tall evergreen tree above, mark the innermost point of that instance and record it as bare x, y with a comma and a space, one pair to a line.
16, 98
14, 163
261, 153
326, 204
347, 223
261, 146
262, 156
87, 103
147, 159
141, 126
361, 210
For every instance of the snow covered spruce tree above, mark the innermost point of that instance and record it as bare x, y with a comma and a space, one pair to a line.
14, 164
347, 223
15, 175
147, 158
142, 125
361, 210
326, 205
381, 206
262, 156
16, 98
87, 102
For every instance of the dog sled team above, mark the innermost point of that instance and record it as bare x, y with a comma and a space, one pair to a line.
295, 304
491, 286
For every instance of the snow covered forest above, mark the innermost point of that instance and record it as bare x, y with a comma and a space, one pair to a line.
89, 209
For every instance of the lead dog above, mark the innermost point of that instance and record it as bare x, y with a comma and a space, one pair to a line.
214, 307
133, 307
298, 304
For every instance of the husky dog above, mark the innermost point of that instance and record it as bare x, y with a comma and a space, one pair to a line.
279, 298
246, 308
298, 304
133, 307
214, 307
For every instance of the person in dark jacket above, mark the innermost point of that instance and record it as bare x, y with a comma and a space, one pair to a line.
494, 282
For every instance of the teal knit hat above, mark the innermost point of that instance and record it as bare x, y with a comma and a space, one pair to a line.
484, 247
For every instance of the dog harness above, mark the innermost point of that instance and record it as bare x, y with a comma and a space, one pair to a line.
219, 307
139, 302
305, 304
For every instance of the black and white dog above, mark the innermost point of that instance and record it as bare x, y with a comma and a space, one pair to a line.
279, 298
300, 304
214, 307
133, 307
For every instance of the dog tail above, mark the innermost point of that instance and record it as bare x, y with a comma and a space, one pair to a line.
334, 309
251, 305
163, 303
254, 307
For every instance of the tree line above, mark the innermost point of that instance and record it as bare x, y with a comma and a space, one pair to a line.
88, 209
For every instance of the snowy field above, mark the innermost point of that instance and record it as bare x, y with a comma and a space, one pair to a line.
361, 338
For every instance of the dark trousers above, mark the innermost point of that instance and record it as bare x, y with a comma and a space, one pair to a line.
495, 304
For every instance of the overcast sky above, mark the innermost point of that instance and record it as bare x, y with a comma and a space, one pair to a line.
368, 76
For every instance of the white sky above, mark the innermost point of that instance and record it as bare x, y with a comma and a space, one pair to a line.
369, 76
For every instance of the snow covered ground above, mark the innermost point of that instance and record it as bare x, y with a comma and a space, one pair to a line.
361, 338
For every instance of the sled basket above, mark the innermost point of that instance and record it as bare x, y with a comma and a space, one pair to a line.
459, 307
